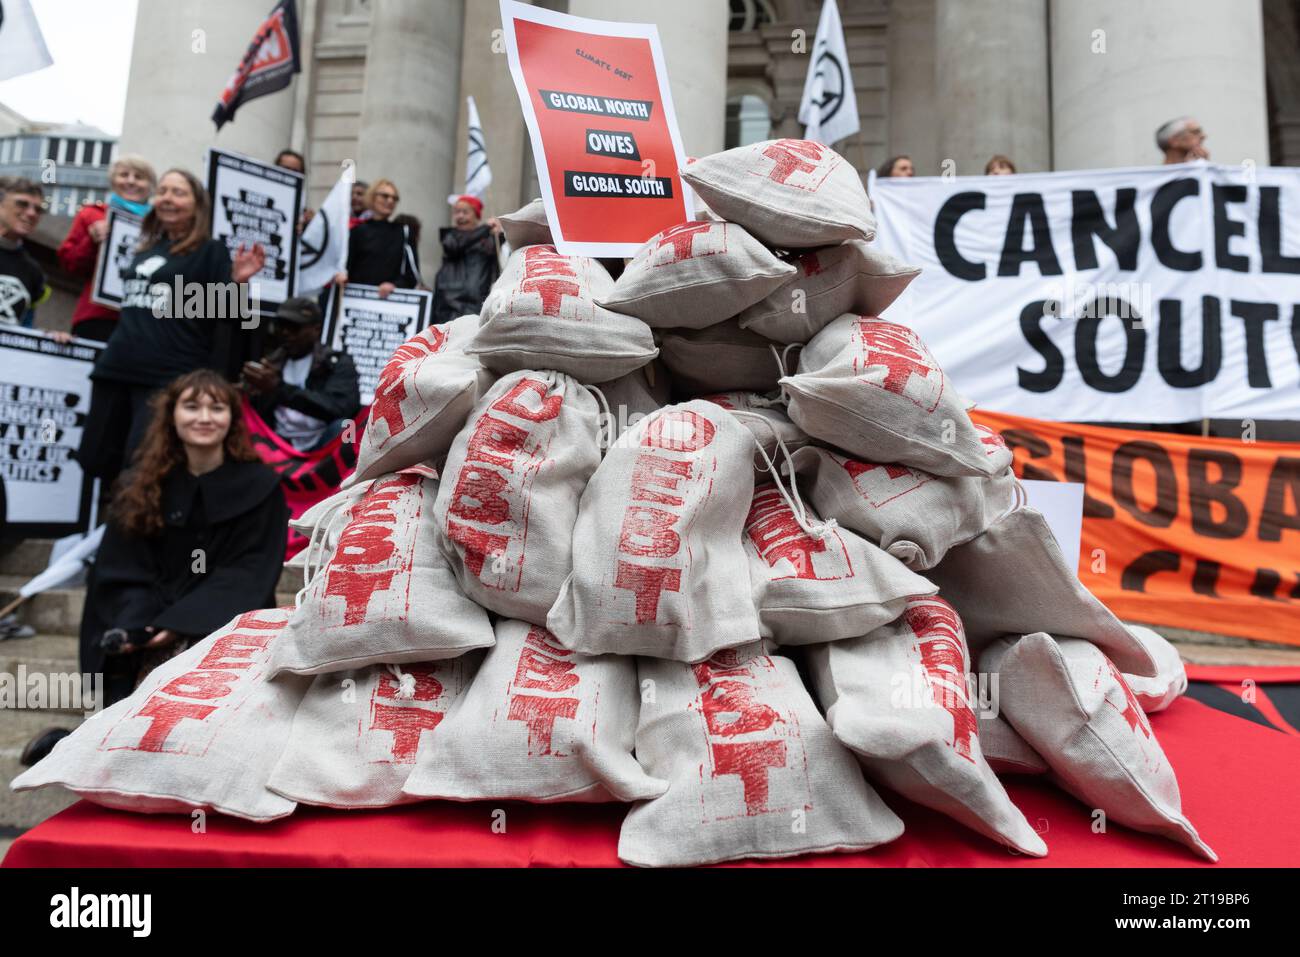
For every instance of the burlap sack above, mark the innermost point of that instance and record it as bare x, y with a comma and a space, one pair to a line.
829, 282
356, 733
872, 388
658, 567
775, 428
204, 730
1070, 703
721, 358
386, 595
1013, 579
793, 194
542, 314
753, 770
527, 226
696, 274
540, 723
634, 396
510, 490
322, 524
424, 393
901, 699
1005, 750
1170, 681
913, 515
813, 589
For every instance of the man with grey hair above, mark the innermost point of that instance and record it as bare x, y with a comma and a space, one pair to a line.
1182, 140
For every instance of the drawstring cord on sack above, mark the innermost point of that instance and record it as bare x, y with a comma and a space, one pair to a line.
405, 682
316, 547
818, 530
782, 358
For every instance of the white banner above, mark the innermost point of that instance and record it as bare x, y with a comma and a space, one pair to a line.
323, 245
254, 202
22, 46
1153, 294
44, 399
369, 329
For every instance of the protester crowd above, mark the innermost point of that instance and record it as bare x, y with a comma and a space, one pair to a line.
196, 523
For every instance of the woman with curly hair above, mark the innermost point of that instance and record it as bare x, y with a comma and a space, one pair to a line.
195, 535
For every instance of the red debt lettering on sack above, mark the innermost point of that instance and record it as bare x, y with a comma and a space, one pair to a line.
777, 535
651, 532
478, 545
391, 392
541, 669
225, 663
900, 352
792, 156
356, 589
540, 714
680, 239
730, 709
477, 496
164, 714
511, 403
881, 484
942, 648
1130, 711
550, 275
992, 441
406, 725
354, 572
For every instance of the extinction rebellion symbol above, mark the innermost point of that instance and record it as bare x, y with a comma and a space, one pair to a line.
831, 72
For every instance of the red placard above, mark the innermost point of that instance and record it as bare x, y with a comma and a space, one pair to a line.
596, 100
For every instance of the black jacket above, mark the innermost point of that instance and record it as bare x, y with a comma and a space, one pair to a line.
332, 390
469, 268
236, 515
380, 251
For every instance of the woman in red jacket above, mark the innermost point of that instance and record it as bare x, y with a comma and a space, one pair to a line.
133, 182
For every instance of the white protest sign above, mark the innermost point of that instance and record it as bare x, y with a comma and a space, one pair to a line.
254, 202
369, 329
1154, 294
44, 399
115, 254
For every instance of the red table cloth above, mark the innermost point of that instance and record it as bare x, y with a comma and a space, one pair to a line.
1238, 781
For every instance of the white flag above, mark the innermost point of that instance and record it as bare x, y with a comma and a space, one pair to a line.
829, 107
323, 246
478, 174
22, 47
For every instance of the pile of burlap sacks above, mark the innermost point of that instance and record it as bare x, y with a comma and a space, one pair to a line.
621, 540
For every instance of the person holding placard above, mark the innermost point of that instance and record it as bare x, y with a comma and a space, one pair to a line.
133, 181
380, 250
183, 309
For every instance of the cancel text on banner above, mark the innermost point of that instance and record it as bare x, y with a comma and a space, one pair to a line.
1160, 294
1177, 530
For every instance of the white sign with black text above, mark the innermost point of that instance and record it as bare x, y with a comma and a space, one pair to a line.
115, 254
369, 329
44, 400
254, 202
1151, 294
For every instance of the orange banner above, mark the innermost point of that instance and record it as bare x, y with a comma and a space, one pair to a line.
1177, 530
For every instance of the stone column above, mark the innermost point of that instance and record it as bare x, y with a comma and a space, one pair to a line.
410, 107
485, 76
911, 111
1121, 69
184, 52
694, 38
991, 83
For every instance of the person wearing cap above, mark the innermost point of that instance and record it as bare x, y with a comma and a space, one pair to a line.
469, 261
303, 389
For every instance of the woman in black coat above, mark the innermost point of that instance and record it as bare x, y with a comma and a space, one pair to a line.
381, 251
196, 536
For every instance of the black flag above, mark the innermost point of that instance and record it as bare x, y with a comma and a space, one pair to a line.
272, 58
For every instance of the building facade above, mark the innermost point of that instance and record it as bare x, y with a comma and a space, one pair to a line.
1055, 84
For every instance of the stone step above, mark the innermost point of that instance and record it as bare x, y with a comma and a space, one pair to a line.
56, 611
40, 652
28, 808
27, 558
